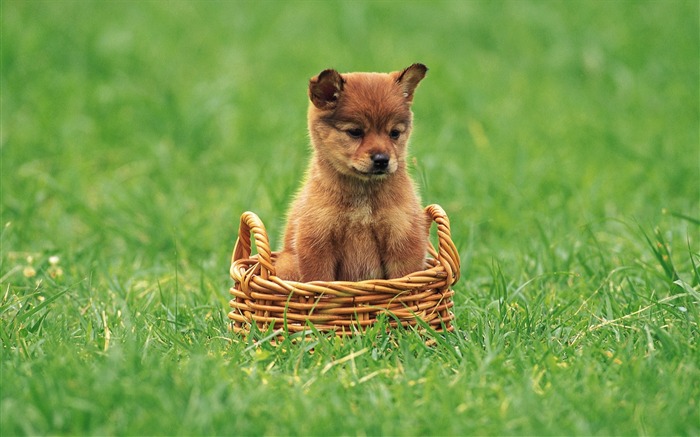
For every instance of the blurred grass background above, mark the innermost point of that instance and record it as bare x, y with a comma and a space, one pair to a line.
561, 138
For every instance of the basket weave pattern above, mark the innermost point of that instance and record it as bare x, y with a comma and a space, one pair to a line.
261, 298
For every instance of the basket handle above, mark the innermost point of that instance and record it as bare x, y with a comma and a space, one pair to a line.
251, 223
447, 252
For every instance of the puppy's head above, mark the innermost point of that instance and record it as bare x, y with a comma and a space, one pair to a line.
360, 122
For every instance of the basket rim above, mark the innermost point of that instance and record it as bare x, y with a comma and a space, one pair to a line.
242, 268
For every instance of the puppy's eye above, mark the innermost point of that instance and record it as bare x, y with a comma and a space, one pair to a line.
394, 134
355, 133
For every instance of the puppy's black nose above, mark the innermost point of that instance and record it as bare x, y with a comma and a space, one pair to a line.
380, 161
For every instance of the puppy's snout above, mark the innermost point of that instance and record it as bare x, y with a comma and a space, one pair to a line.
380, 161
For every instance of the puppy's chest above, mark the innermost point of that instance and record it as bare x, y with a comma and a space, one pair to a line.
359, 244
362, 216
365, 226
361, 238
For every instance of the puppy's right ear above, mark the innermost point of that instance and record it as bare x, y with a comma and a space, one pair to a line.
325, 89
409, 79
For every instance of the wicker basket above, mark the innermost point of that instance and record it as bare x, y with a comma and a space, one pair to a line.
344, 307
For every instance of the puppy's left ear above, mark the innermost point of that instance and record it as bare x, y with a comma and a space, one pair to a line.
409, 79
325, 89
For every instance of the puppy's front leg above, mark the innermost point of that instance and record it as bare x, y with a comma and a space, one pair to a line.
406, 251
318, 259
398, 265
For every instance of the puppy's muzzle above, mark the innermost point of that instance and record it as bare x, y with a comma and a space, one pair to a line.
380, 163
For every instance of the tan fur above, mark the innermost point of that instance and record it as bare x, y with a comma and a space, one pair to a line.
357, 216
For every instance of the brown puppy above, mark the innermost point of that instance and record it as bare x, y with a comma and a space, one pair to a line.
357, 216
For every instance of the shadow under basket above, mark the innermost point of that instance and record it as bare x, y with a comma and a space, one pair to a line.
261, 298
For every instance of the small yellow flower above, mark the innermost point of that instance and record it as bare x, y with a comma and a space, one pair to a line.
616, 360
29, 272
56, 272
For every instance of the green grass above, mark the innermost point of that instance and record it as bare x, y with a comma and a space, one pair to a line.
561, 138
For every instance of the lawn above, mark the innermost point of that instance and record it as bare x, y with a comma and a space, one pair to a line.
560, 137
